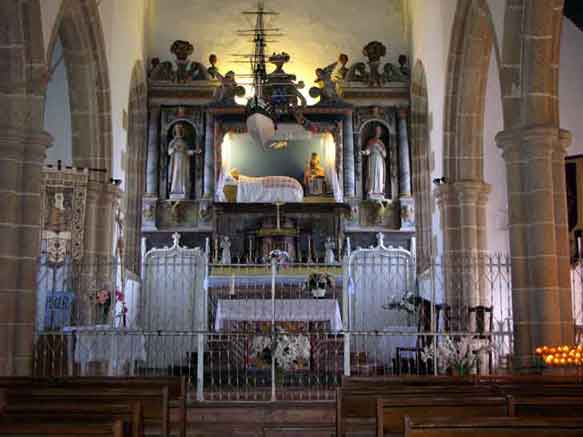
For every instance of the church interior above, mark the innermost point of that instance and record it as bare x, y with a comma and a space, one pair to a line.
273, 218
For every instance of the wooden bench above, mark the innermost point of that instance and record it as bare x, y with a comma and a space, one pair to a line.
155, 393
357, 408
493, 427
130, 412
34, 426
391, 412
545, 406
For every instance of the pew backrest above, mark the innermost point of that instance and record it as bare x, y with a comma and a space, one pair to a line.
493, 427
34, 426
391, 412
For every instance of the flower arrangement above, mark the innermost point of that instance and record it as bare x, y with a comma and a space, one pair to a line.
123, 312
102, 300
289, 351
406, 302
319, 280
458, 355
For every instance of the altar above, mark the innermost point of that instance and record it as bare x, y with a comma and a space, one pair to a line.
103, 344
281, 310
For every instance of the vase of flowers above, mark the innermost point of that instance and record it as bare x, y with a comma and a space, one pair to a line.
102, 305
456, 356
318, 283
404, 302
290, 351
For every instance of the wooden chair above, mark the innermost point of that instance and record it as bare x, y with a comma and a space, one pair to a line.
482, 322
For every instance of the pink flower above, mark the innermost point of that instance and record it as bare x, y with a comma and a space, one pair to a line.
102, 297
119, 297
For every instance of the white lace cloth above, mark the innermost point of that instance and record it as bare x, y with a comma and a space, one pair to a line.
286, 310
101, 343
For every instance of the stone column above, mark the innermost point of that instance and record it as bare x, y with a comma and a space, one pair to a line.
404, 155
99, 219
463, 215
153, 139
209, 159
348, 156
22, 153
541, 297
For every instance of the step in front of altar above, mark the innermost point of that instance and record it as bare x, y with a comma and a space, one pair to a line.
277, 419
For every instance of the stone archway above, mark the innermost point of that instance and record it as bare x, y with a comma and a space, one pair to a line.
135, 166
420, 149
463, 196
78, 27
534, 150
23, 144
463, 193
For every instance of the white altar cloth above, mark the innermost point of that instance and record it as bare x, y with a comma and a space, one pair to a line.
286, 310
102, 343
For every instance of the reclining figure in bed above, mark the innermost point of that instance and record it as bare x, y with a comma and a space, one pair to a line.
268, 189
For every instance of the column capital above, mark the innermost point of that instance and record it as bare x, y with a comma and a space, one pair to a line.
533, 140
28, 144
463, 191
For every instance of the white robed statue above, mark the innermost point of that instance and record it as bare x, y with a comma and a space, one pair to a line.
179, 164
377, 154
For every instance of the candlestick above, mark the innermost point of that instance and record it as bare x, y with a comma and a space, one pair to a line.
216, 250
250, 254
232, 288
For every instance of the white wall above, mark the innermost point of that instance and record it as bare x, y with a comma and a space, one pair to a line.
494, 166
315, 32
123, 24
571, 85
123, 27
57, 118
431, 24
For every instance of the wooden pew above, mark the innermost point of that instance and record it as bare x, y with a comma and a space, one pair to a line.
156, 393
366, 382
34, 426
545, 406
391, 412
357, 408
2, 401
130, 413
493, 427
529, 379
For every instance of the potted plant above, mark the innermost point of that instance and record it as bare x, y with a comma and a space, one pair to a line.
318, 283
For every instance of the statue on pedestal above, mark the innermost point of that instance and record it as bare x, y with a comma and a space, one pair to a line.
330, 246
377, 155
179, 164
314, 175
226, 254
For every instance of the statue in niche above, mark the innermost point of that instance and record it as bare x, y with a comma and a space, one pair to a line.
329, 245
314, 175
226, 250
180, 154
376, 167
